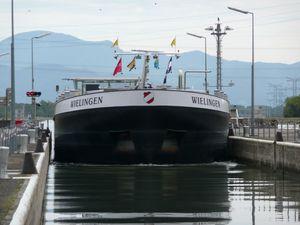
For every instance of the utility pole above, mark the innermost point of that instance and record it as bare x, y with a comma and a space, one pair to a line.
219, 33
33, 100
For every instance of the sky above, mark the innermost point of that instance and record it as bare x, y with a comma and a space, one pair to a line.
152, 24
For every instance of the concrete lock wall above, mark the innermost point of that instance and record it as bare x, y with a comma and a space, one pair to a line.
29, 211
271, 153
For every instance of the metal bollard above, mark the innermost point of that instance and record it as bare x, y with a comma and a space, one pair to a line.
4, 151
246, 131
32, 135
44, 136
22, 143
28, 165
39, 146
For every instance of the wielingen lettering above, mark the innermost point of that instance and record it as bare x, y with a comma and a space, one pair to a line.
206, 101
86, 102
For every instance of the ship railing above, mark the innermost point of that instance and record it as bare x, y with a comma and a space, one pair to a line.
267, 129
68, 94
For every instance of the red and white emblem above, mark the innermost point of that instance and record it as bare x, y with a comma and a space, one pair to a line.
148, 97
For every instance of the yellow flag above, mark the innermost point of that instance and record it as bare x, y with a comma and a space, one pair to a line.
173, 43
116, 43
131, 65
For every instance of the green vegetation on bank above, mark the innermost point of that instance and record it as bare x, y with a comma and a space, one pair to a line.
9, 194
23, 110
292, 107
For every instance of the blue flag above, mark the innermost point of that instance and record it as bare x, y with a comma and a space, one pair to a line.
169, 70
169, 67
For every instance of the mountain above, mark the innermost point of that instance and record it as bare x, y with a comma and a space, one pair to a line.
59, 56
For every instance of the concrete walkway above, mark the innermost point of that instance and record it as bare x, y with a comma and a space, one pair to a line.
21, 195
13, 186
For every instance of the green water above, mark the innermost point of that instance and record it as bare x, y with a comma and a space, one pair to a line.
217, 193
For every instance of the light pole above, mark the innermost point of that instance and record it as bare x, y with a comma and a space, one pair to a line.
6, 100
12, 62
252, 68
198, 36
33, 104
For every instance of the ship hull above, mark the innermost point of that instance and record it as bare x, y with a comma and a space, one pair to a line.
141, 135
141, 126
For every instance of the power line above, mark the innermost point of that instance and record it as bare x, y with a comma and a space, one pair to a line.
294, 84
278, 94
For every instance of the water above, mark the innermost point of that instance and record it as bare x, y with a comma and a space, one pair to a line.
217, 193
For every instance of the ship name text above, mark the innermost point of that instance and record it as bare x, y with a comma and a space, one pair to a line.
206, 101
86, 102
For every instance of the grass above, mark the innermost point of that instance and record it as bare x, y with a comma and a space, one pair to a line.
9, 191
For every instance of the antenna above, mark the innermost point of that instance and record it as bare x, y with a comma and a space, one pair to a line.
219, 33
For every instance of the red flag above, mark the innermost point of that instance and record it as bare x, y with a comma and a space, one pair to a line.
118, 68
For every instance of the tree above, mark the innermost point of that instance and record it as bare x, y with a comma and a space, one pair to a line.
46, 109
292, 107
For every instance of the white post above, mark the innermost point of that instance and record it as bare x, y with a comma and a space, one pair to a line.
31, 133
22, 142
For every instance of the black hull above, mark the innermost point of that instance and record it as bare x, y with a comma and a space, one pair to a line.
124, 135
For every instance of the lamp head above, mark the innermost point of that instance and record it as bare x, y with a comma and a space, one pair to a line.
42, 35
238, 10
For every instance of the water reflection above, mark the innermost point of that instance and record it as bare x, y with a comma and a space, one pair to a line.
218, 193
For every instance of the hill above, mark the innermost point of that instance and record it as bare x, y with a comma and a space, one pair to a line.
59, 56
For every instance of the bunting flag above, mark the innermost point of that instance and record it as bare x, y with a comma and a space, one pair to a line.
156, 63
131, 65
169, 70
169, 67
116, 43
173, 43
165, 79
118, 68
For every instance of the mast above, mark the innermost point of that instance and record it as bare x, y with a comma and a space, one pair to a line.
219, 33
